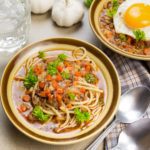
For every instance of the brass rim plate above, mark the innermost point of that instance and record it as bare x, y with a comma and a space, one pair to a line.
94, 15
107, 68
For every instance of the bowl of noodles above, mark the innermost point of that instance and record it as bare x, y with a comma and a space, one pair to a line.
60, 91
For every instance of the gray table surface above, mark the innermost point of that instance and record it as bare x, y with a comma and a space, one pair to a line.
42, 27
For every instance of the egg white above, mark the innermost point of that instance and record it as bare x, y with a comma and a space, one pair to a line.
120, 25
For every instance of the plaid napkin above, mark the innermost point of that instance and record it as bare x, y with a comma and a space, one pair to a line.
132, 73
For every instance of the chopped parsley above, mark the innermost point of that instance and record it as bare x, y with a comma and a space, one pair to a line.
61, 57
140, 35
52, 67
115, 3
113, 11
37, 112
81, 116
42, 54
30, 79
88, 3
90, 78
71, 95
123, 38
65, 75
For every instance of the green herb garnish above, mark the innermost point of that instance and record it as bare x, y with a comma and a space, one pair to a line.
61, 57
42, 54
52, 67
140, 35
123, 38
71, 95
30, 79
90, 78
37, 112
113, 11
65, 75
81, 116
115, 3
88, 3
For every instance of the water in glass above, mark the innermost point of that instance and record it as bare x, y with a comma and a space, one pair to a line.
14, 24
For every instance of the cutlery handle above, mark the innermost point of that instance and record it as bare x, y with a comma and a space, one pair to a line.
102, 136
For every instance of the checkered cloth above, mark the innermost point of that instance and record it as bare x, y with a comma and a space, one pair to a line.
132, 73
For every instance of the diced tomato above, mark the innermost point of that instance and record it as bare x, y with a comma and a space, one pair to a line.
75, 92
87, 68
54, 84
60, 68
43, 94
26, 98
67, 91
58, 74
78, 61
59, 104
146, 51
109, 35
78, 74
87, 63
47, 91
70, 69
23, 107
19, 110
48, 77
76, 79
129, 40
82, 90
111, 26
59, 78
66, 64
69, 105
67, 84
60, 90
59, 97
49, 96
37, 70
126, 46
41, 85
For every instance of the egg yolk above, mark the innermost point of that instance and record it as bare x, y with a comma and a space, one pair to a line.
137, 16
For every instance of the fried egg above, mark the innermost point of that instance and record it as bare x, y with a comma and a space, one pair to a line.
132, 15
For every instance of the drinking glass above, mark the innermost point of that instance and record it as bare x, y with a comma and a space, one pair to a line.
15, 19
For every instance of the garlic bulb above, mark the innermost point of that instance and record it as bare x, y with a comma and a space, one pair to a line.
41, 6
67, 12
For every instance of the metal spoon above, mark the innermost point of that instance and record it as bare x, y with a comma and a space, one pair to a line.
133, 105
135, 137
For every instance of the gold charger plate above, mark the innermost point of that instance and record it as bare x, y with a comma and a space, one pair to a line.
94, 15
108, 70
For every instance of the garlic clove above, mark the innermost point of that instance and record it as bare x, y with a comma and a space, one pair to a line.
67, 12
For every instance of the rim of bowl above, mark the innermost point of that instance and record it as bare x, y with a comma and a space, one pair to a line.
94, 15
92, 134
